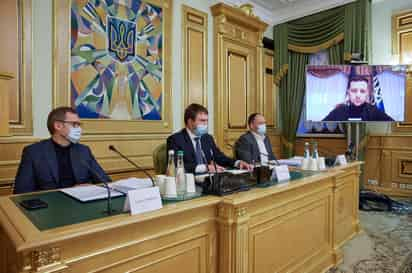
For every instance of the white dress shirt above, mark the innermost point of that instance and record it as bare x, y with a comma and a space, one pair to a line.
262, 148
201, 168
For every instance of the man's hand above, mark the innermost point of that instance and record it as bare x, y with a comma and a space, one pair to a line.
212, 169
245, 166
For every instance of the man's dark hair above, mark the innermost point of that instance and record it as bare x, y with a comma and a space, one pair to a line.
252, 118
192, 110
57, 114
358, 79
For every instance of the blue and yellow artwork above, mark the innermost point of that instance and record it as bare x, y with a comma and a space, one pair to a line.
116, 59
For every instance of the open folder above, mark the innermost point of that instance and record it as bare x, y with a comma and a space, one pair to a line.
89, 193
118, 188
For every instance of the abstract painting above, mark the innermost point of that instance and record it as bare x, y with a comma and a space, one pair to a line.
116, 59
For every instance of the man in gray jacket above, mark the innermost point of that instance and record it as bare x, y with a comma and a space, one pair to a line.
254, 146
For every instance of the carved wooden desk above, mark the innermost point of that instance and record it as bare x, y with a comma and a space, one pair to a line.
295, 227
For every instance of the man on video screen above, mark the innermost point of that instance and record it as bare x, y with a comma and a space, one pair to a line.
358, 104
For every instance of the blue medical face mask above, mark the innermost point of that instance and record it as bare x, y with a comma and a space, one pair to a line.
200, 130
261, 129
74, 135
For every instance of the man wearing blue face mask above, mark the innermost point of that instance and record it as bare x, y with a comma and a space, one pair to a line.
59, 161
198, 146
254, 146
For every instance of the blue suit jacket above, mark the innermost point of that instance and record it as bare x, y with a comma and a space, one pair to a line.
38, 168
181, 141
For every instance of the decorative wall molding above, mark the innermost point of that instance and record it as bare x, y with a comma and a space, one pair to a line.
275, 12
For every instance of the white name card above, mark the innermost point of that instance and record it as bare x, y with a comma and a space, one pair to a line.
142, 200
341, 160
281, 172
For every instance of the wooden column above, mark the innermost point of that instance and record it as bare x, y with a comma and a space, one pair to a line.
4, 103
238, 68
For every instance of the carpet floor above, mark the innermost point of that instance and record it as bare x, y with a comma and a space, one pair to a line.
383, 246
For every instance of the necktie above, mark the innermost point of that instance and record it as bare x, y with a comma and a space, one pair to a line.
198, 151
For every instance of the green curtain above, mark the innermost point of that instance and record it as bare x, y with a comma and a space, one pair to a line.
336, 54
291, 101
357, 20
316, 29
294, 41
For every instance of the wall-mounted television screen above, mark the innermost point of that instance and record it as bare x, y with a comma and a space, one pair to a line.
353, 93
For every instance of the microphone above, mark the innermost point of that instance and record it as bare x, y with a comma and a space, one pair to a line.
213, 159
112, 148
106, 185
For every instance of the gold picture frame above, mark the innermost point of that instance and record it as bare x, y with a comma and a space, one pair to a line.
62, 66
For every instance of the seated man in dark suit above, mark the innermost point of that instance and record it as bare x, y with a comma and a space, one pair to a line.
254, 146
358, 104
198, 146
59, 161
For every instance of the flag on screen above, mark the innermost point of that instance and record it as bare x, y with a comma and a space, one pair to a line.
378, 94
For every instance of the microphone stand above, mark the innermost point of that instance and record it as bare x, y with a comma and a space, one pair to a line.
207, 168
106, 185
112, 148
215, 178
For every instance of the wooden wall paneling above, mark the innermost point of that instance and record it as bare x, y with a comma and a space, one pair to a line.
402, 36
270, 92
238, 62
326, 146
402, 47
238, 90
407, 125
195, 31
5, 79
16, 28
373, 159
388, 163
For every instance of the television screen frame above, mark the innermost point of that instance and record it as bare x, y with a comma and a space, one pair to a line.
343, 73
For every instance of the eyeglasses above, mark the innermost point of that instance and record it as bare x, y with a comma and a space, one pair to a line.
74, 124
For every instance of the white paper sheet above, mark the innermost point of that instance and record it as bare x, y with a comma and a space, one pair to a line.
132, 183
89, 193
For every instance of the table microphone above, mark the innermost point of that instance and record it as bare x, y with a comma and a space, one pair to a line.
112, 148
106, 185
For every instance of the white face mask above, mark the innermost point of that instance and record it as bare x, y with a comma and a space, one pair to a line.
200, 130
74, 135
261, 129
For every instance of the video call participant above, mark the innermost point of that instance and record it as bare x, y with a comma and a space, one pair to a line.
59, 161
198, 146
358, 104
254, 146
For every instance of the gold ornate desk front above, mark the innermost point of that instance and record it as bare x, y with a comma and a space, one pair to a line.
295, 227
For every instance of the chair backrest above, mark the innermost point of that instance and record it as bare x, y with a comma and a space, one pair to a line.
160, 158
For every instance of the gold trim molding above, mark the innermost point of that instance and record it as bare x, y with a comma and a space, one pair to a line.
6, 76
194, 22
401, 23
23, 126
314, 49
